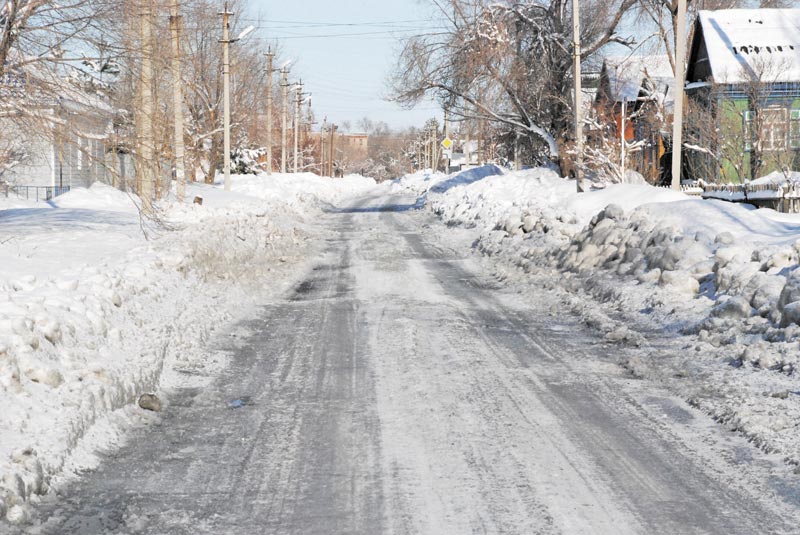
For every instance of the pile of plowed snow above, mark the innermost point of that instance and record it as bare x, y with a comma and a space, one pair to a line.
724, 275
98, 307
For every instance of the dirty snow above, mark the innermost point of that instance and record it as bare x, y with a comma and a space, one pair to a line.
98, 307
718, 282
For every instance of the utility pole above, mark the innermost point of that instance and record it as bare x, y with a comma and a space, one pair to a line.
680, 80
285, 118
298, 101
480, 142
226, 89
333, 150
61, 157
434, 152
322, 147
270, 57
148, 147
622, 141
576, 59
177, 96
426, 152
447, 118
467, 134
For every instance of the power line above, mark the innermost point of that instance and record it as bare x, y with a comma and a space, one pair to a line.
308, 22
348, 25
384, 34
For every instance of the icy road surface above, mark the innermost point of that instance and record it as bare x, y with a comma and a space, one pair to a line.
399, 390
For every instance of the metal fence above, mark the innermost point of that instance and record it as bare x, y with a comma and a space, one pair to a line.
33, 193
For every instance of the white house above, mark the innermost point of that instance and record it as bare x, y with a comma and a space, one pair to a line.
54, 141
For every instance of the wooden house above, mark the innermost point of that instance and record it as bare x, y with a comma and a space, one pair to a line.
637, 92
743, 94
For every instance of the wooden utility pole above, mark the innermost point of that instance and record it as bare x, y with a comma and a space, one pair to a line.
332, 166
285, 117
680, 80
447, 118
434, 152
427, 150
147, 142
270, 58
322, 146
576, 59
622, 141
226, 89
467, 134
177, 97
298, 101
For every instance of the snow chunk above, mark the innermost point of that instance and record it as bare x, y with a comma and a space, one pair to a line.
734, 308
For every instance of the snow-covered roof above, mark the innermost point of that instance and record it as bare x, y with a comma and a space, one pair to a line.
627, 74
37, 83
752, 44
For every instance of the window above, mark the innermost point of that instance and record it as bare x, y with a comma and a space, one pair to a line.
794, 130
774, 129
747, 130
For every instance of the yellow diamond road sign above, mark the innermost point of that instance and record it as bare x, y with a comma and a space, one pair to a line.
447, 143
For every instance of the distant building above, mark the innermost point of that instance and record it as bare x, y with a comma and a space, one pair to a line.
354, 146
350, 149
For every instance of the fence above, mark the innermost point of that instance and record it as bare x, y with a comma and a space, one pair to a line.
33, 193
783, 197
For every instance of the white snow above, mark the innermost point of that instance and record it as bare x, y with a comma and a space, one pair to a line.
752, 44
98, 307
722, 277
627, 74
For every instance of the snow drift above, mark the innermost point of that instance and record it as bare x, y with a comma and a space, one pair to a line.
725, 275
94, 312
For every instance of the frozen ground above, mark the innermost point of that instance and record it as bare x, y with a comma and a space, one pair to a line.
569, 379
97, 308
720, 280
399, 388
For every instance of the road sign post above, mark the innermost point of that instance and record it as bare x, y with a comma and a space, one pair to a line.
447, 145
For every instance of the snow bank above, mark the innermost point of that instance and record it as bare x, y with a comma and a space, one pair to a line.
94, 312
97, 197
724, 274
301, 188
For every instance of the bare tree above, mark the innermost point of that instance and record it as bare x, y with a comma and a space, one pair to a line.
663, 16
49, 52
203, 82
508, 63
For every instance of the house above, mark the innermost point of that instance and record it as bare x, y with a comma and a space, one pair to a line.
54, 138
743, 94
640, 90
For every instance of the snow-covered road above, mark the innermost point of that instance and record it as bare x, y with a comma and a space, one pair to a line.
399, 389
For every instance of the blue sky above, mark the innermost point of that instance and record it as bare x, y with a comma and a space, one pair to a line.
344, 51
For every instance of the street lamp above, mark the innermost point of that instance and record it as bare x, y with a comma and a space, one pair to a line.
226, 85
